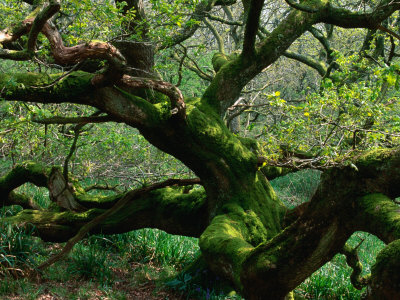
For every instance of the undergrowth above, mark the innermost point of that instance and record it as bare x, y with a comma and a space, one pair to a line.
114, 266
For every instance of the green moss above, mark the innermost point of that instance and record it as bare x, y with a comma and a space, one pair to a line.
225, 74
381, 214
211, 132
385, 275
25, 85
249, 224
249, 143
224, 246
374, 158
99, 201
219, 60
273, 172
22, 173
169, 209
20, 199
77, 83
234, 158
155, 114
237, 164
168, 203
231, 238
60, 218
388, 263
176, 198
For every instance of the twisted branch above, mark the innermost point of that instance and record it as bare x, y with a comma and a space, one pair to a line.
174, 94
130, 196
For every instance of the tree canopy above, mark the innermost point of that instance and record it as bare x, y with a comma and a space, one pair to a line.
230, 94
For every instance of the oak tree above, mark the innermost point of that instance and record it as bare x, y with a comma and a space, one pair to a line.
246, 234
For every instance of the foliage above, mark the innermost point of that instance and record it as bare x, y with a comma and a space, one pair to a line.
347, 103
90, 262
18, 249
96, 258
297, 187
355, 109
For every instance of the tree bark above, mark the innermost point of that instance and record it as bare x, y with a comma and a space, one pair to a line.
246, 233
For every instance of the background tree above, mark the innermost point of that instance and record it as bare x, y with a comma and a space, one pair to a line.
247, 235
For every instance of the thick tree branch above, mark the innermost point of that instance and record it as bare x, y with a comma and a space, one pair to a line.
353, 261
40, 20
321, 230
22, 200
73, 120
223, 21
251, 29
172, 209
37, 22
94, 50
78, 88
175, 95
327, 222
378, 215
222, 93
324, 42
304, 8
387, 30
108, 213
218, 37
21, 174
41, 16
384, 282
317, 65
348, 19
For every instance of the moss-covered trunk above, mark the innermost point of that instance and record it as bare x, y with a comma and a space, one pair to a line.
246, 234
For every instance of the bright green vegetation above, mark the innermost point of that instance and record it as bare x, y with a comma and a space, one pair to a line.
297, 187
332, 280
155, 260
184, 111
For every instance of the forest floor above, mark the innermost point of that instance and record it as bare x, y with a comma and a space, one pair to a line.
144, 264
73, 290
151, 264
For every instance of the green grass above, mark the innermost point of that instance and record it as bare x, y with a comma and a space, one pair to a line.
40, 195
90, 262
296, 188
17, 248
10, 286
332, 281
115, 265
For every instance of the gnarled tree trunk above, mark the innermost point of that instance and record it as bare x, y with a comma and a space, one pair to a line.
246, 233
